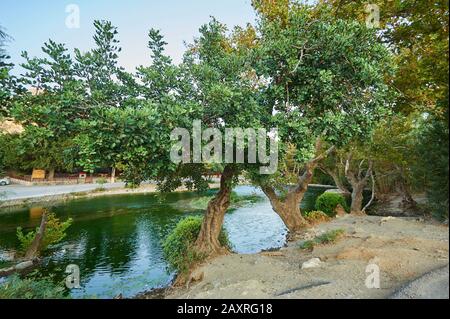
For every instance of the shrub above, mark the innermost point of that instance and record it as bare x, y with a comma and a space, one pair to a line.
55, 231
316, 217
324, 239
327, 203
102, 181
178, 245
31, 288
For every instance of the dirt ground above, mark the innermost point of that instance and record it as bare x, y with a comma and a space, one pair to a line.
403, 249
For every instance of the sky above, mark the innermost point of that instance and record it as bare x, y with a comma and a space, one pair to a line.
32, 22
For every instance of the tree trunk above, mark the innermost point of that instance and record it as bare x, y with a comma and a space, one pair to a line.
34, 249
288, 209
339, 184
358, 180
21, 268
357, 199
51, 174
113, 174
208, 238
408, 201
334, 174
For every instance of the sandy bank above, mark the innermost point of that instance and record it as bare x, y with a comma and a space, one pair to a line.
403, 249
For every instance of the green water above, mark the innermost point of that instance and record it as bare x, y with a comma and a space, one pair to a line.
116, 241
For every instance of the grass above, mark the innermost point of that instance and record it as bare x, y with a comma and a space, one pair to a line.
325, 239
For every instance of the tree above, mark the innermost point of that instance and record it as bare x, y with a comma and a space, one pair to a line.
219, 68
432, 172
418, 33
216, 86
358, 179
107, 86
49, 112
326, 83
133, 138
393, 148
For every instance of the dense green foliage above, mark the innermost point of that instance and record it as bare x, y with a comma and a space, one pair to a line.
55, 231
31, 288
178, 246
327, 203
409, 150
432, 171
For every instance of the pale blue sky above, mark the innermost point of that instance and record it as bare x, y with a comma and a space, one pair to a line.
32, 22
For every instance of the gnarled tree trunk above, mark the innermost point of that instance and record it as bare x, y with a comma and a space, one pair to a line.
359, 182
208, 238
34, 249
31, 259
408, 201
357, 199
288, 208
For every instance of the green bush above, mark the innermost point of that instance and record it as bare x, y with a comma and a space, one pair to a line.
55, 231
31, 288
327, 238
178, 245
327, 203
102, 181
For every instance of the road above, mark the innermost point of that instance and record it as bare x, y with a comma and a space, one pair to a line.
433, 285
14, 192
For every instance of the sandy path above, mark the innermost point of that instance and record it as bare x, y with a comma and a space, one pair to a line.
404, 249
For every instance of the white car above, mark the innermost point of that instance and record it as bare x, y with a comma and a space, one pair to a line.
5, 181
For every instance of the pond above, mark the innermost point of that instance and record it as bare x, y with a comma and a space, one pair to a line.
116, 241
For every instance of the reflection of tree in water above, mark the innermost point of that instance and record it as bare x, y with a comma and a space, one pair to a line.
110, 243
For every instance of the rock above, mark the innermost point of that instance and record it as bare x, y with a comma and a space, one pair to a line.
312, 263
386, 219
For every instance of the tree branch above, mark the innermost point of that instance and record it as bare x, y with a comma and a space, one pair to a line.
373, 192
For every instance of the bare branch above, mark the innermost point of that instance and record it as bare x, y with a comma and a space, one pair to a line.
373, 192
